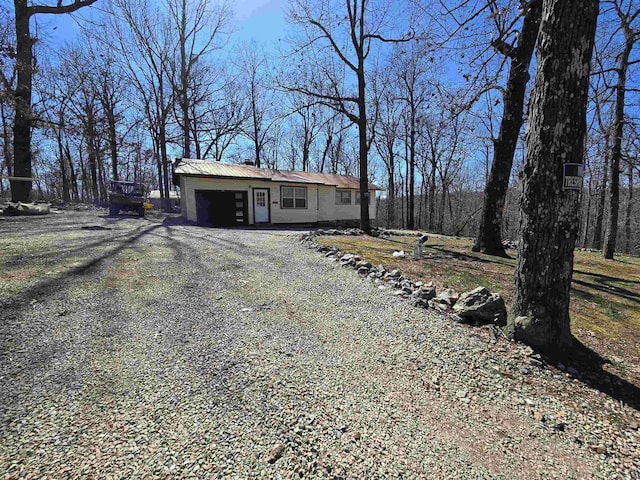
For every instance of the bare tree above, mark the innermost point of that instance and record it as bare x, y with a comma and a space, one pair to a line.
556, 132
387, 138
627, 13
262, 110
144, 41
489, 238
23, 121
201, 27
347, 34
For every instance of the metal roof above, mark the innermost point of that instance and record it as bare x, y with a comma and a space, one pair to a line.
204, 168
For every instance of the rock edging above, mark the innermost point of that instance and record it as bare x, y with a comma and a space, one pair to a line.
477, 307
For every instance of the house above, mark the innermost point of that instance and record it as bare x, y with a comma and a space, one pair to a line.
223, 194
156, 200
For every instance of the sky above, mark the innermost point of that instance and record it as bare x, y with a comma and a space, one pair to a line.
259, 20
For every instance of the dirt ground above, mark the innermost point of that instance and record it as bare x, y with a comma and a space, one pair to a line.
151, 348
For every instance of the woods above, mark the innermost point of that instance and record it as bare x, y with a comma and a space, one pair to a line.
428, 99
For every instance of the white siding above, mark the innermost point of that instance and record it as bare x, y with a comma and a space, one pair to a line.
325, 211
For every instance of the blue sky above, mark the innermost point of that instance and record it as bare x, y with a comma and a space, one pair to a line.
260, 20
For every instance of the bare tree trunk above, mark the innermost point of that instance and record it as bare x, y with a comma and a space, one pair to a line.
549, 224
363, 147
489, 238
391, 198
63, 165
72, 173
627, 219
21, 190
616, 149
602, 198
412, 172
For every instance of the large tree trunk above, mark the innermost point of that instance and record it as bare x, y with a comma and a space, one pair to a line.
363, 147
489, 238
616, 149
549, 224
21, 190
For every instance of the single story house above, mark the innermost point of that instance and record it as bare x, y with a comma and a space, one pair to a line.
156, 201
224, 194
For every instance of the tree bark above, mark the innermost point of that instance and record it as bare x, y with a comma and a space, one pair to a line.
627, 218
557, 128
365, 223
489, 238
616, 149
602, 198
21, 190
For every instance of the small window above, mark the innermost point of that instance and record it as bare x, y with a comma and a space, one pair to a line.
293, 197
343, 197
358, 197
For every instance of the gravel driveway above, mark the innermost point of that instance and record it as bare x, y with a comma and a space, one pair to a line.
151, 349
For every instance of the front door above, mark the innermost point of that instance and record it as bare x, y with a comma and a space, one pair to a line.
261, 205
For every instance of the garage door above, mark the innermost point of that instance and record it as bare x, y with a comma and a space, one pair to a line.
222, 208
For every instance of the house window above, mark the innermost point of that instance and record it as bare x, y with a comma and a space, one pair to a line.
293, 197
358, 197
343, 197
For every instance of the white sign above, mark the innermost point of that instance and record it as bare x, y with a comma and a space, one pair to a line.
572, 176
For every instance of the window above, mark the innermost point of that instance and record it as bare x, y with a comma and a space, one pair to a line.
293, 197
343, 197
358, 197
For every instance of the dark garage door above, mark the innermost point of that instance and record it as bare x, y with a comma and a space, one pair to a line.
222, 208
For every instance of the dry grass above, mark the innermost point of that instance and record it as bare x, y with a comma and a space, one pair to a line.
605, 303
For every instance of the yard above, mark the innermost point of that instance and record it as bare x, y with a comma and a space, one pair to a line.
605, 304
145, 348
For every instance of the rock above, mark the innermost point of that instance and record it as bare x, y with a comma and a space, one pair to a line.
363, 263
425, 293
363, 271
482, 306
462, 393
442, 307
633, 426
448, 297
399, 254
601, 449
393, 274
420, 303
275, 453
27, 209
408, 290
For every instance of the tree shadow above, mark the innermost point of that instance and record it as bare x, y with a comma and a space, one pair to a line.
461, 256
590, 367
49, 287
612, 290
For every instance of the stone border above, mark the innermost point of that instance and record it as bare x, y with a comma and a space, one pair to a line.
478, 306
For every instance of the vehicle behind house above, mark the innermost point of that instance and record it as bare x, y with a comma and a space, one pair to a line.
127, 196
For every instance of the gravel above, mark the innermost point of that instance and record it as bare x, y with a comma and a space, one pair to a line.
158, 349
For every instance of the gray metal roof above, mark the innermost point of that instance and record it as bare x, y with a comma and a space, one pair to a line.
205, 168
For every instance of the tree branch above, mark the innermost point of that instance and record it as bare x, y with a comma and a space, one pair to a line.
76, 5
